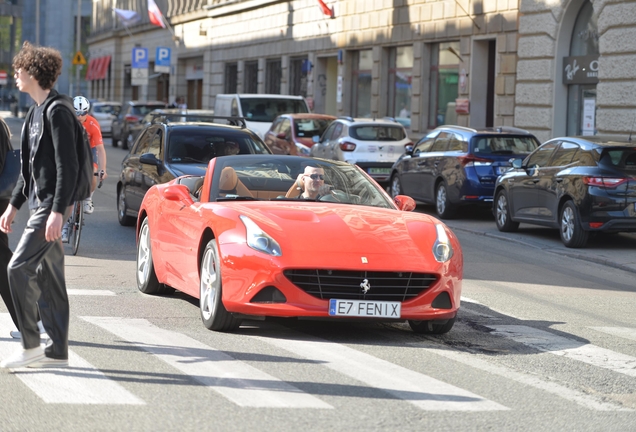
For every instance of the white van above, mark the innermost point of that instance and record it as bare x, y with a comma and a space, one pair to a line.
259, 110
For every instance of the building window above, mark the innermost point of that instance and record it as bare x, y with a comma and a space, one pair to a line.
231, 78
250, 76
445, 60
298, 70
272, 76
361, 83
400, 77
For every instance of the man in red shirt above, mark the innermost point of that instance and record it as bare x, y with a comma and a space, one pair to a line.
97, 145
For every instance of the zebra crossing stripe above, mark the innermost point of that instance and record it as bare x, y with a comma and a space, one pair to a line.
623, 332
80, 383
237, 381
89, 292
568, 348
575, 396
423, 391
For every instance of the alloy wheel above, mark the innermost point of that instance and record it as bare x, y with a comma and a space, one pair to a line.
208, 290
567, 224
502, 210
143, 255
441, 200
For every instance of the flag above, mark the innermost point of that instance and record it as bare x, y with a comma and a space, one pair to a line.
127, 17
326, 9
155, 14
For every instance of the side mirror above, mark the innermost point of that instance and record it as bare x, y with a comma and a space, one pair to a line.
517, 163
149, 159
178, 192
315, 139
404, 203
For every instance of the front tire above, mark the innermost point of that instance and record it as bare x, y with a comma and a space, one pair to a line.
443, 208
572, 233
147, 281
396, 186
502, 214
122, 208
432, 327
213, 312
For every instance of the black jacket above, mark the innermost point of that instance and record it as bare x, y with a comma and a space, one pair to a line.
55, 167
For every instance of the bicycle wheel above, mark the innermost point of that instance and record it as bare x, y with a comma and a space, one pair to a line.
77, 220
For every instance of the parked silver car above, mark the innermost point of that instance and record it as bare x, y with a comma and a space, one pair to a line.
104, 113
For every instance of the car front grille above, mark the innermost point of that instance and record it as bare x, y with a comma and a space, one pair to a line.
349, 285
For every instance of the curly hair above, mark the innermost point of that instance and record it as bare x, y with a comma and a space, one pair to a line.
42, 63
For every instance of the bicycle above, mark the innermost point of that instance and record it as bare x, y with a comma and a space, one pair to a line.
76, 221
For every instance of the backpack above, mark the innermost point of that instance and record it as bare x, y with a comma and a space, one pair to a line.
84, 153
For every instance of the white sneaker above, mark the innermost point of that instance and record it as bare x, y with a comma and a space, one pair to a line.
15, 334
65, 230
24, 358
88, 206
48, 362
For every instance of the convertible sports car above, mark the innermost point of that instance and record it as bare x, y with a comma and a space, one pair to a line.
245, 241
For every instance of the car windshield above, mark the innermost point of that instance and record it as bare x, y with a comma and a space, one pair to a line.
307, 128
519, 145
623, 158
142, 110
377, 133
274, 178
267, 109
106, 109
199, 145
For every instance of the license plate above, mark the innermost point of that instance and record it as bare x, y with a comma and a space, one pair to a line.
379, 170
365, 308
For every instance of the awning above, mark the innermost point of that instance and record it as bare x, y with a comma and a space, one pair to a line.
97, 68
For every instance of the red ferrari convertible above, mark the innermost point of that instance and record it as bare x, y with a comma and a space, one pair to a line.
288, 236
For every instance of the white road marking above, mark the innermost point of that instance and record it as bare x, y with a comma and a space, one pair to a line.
79, 383
423, 391
89, 292
237, 381
569, 348
575, 396
469, 300
623, 332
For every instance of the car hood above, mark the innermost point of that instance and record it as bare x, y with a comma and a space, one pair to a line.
342, 235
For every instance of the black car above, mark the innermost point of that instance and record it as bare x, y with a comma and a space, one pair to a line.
129, 121
580, 185
454, 166
167, 150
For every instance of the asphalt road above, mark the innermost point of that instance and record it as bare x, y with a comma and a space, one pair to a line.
543, 341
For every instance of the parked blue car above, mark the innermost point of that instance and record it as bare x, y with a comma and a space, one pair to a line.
454, 166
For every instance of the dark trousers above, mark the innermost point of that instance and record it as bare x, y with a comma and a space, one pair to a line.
5, 257
36, 278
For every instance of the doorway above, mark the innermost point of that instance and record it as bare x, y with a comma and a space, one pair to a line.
482, 97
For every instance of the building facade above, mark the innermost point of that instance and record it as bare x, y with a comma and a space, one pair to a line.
554, 67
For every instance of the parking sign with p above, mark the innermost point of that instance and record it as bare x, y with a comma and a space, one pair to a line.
140, 58
162, 60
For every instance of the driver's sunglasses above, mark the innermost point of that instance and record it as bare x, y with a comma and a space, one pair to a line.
79, 114
316, 176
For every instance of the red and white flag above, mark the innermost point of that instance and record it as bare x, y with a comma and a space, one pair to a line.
326, 9
155, 15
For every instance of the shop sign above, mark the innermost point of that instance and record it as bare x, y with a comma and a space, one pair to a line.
580, 70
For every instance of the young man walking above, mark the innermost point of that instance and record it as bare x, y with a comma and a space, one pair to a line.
50, 171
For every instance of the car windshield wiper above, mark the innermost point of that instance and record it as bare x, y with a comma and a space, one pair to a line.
237, 198
186, 159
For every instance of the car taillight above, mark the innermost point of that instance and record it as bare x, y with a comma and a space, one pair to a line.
604, 182
472, 160
130, 118
347, 146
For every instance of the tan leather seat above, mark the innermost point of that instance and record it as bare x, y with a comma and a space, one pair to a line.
295, 190
229, 184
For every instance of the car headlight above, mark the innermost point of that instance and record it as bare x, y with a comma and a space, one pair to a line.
258, 240
442, 249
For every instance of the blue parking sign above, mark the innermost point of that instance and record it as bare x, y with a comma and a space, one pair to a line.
140, 58
162, 60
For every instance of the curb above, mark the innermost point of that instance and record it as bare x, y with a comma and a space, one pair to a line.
560, 252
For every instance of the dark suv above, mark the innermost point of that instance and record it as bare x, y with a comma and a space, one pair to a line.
131, 115
454, 165
166, 150
577, 184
